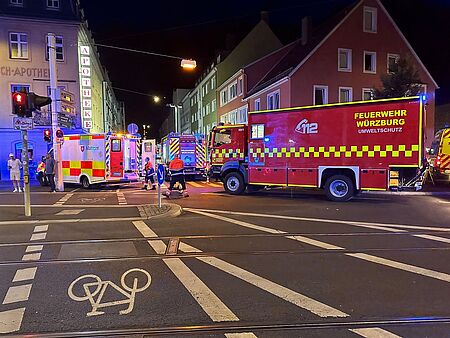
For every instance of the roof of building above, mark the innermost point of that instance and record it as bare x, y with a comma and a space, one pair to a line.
31, 9
299, 51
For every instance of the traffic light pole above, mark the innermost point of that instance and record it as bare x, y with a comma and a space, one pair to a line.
26, 173
53, 86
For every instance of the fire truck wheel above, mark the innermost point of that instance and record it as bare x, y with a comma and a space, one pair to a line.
339, 188
234, 183
84, 182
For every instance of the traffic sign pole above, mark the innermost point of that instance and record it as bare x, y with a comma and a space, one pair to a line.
160, 176
26, 173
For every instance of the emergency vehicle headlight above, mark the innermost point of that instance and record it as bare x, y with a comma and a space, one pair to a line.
266, 139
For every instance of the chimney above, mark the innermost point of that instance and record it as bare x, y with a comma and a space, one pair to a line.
306, 29
264, 16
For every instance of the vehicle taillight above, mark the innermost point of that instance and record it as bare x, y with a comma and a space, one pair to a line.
438, 161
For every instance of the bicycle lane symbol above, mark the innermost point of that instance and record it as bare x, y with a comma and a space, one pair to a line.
94, 281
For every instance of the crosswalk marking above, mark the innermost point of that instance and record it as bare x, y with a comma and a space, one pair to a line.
194, 184
69, 212
121, 197
208, 301
240, 335
17, 294
375, 259
11, 320
24, 274
374, 333
64, 199
215, 185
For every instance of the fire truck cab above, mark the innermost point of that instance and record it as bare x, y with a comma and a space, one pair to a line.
439, 155
341, 148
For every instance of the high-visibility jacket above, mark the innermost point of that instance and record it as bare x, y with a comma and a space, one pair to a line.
41, 167
176, 167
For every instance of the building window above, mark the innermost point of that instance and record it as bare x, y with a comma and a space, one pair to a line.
257, 104
367, 94
370, 62
59, 46
208, 109
18, 45
257, 131
345, 94
320, 95
240, 86
273, 100
213, 83
233, 91
53, 4
18, 3
392, 60
242, 115
213, 105
344, 60
20, 88
224, 97
370, 20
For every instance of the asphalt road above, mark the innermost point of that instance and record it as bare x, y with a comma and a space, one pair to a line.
273, 264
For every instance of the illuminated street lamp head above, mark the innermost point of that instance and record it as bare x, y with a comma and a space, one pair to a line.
188, 64
156, 99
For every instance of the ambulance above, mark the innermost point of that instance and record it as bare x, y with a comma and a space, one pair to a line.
439, 155
342, 148
148, 150
89, 159
191, 148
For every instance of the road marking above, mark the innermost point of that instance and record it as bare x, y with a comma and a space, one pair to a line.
38, 237
33, 248
302, 301
374, 333
75, 220
208, 301
69, 212
381, 226
264, 284
215, 185
195, 184
24, 274
16, 294
11, 320
32, 257
240, 335
63, 199
121, 197
129, 292
40, 228
379, 260
69, 206
434, 238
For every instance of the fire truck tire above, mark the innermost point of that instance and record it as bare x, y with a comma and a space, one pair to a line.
234, 183
339, 188
84, 182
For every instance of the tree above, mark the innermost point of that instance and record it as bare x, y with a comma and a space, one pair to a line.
403, 80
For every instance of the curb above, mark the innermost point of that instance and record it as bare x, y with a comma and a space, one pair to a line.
148, 210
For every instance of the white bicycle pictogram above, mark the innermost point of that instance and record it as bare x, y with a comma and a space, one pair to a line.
92, 280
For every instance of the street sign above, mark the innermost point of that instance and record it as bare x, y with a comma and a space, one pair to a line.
64, 120
161, 173
133, 128
23, 123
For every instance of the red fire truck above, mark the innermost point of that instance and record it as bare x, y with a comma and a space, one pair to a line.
341, 148
439, 155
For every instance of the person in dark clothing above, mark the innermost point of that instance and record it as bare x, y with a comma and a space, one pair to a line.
149, 174
176, 168
50, 170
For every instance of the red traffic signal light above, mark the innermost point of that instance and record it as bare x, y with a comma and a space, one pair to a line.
20, 104
47, 135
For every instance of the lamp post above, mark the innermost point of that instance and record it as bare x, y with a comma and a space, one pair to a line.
176, 108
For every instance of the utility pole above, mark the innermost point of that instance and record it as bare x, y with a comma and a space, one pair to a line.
53, 86
26, 173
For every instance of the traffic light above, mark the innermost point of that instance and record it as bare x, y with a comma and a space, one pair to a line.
47, 135
25, 103
35, 101
20, 104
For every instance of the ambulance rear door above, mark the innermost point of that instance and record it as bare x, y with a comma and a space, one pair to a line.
116, 155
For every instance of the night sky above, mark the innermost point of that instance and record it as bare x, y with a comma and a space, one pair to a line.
192, 29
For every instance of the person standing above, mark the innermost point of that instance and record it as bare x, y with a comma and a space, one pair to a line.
50, 170
14, 165
149, 174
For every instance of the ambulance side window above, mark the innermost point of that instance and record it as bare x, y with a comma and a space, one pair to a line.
257, 131
116, 145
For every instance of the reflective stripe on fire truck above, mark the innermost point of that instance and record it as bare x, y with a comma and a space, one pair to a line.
107, 156
200, 155
445, 162
174, 148
336, 151
228, 153
139, 155
90, 168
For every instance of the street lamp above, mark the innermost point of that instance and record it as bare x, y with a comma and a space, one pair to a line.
188, 64
176, 108
156, 99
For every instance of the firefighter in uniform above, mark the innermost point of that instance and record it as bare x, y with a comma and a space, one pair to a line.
149, 172
176, 168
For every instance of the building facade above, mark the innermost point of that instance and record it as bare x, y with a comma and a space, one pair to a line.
24, 25
341, 61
